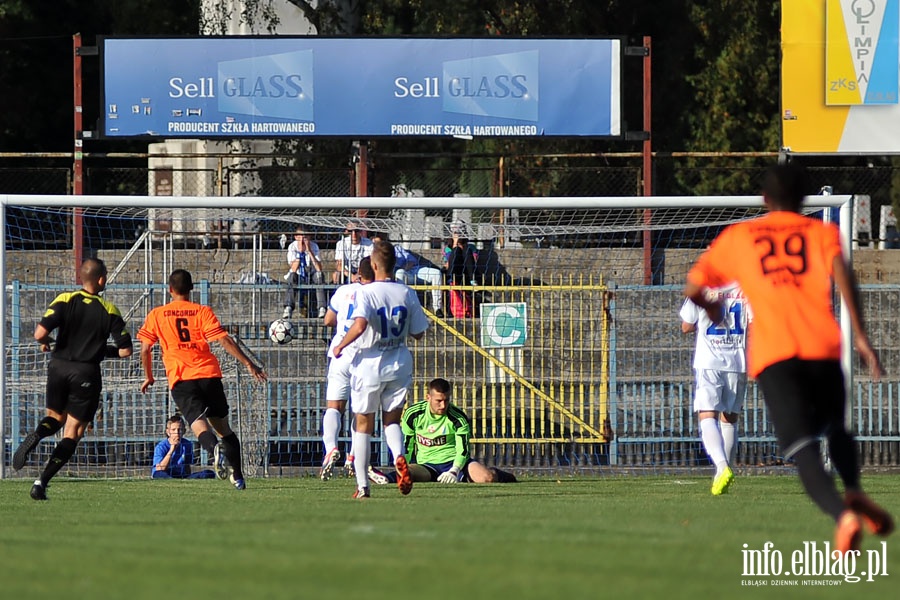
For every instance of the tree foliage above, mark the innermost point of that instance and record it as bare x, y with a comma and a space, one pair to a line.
736, 76
36, 60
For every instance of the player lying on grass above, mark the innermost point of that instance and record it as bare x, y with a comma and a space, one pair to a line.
437, 443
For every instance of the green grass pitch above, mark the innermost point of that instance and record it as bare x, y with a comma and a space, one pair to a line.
569, 538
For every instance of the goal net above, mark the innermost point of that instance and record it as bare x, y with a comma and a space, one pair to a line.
559, 332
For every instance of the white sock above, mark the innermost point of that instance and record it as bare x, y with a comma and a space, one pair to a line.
361, 458
729, 437
436, 303
712, 441
331, 426
352, 438
394, 437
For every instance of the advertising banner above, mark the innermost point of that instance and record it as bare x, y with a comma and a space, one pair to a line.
361, 87
839, 76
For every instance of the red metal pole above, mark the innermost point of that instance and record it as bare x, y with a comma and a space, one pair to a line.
647, 168
77, 166
362, 170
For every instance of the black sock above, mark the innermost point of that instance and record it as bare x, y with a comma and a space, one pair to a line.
61, 455
47, 427
233, 454
208, 441
819, 485
843, 456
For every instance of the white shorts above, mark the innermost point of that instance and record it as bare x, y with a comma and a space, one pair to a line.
372, 387
389, 396
337, 387
720, 391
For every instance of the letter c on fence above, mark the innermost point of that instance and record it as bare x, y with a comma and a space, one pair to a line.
494, 333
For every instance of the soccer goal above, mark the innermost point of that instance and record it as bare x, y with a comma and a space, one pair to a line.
561, 334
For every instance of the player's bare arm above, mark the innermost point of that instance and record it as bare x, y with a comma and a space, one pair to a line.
147, 364
330, 318
846, 284
356, 330
234, 350
688, 327
42, 337
714, 307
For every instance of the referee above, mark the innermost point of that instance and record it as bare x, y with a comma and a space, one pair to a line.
85, 322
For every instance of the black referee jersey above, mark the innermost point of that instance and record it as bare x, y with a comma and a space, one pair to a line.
85, 322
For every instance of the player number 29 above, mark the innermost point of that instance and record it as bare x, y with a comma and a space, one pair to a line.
789, 255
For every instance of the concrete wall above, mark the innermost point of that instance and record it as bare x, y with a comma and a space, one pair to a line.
623, 266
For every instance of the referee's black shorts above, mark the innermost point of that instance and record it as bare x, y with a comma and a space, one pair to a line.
805, 400
74, 388
197, 398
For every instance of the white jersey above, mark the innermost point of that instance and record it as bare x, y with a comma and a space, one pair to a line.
393, 312
342, 304
721, 346
349, 254
294, 253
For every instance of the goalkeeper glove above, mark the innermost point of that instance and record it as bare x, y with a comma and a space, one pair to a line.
451, 476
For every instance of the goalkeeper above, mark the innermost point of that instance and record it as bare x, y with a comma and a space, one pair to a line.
437, 443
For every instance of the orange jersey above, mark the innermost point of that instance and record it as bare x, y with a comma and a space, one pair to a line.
184, 330
784, 263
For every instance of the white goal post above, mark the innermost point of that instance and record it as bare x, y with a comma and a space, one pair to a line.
535, 223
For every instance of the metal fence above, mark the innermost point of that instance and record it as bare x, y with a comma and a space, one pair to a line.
603, 382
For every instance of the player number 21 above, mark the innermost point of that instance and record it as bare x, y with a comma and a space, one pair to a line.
736, 328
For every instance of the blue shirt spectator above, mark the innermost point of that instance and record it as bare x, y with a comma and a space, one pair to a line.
409, 271
173, 456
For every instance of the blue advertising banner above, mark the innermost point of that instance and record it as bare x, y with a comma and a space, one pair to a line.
361, 87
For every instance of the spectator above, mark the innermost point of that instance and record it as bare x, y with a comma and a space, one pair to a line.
409, 271
437, 443
173, 456
305, 268
460, 259
348, 252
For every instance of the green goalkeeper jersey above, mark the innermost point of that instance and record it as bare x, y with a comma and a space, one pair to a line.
436, 439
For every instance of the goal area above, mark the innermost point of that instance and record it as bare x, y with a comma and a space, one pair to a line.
561, 336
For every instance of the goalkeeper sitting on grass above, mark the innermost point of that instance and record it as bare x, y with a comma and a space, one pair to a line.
437, 441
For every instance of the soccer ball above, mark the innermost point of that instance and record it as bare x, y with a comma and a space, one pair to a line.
281, 331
